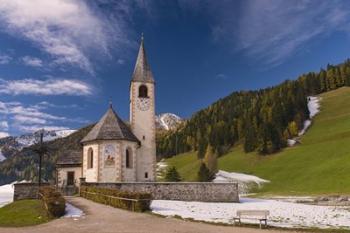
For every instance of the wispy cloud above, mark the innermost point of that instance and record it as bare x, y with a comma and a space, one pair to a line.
31, 118
274, 30
34, 128
45, 87
5, 59
32, 61
68, 30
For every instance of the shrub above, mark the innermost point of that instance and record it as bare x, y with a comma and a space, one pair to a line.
204, 175
54, 202
172, 175
133, 201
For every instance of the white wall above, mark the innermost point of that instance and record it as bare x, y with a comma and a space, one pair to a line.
91, 174
62, 175
107, 173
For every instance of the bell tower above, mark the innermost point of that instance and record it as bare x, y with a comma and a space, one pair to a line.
142, 116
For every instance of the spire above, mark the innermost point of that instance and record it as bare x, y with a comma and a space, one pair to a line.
142, 71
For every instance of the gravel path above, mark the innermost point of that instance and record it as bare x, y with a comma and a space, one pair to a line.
104, 219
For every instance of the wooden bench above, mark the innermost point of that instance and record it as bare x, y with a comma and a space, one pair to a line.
260, 215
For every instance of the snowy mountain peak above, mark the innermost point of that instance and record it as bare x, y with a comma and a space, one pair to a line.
168, 121
10, 145
49, 135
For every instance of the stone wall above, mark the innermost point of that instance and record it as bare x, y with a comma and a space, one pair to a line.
26, 191
181, 191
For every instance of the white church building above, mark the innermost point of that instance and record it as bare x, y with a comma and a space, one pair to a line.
114, 151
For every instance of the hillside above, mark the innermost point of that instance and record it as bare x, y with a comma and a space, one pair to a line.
261, 120
320, 164
23, 164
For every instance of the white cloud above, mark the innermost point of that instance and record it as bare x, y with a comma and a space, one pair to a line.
34, 128
32, 61
5, 59
22, 119
70, 31
45, 87
4, 134
273, 30
31, 118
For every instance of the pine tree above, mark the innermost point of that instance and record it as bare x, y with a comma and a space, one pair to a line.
201, 148
250, 140
204, 173
172, 175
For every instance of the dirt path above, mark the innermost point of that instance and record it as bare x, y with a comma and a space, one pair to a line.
104, 219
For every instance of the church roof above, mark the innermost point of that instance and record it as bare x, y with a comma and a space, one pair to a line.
110, 127
69, 158
142, 70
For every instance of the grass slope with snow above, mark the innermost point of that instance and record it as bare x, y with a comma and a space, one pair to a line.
282, 214
319, 165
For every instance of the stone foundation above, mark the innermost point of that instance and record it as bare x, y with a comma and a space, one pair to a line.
26, 191
181, 191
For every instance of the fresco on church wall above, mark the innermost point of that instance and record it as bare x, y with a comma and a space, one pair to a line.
109, 156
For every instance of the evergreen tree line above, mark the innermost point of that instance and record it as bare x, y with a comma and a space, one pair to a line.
261, 120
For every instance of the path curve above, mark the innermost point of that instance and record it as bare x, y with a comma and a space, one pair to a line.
105, 219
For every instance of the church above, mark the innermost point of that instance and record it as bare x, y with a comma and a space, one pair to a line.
114, 151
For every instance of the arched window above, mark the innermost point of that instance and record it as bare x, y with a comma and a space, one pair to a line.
143, 92
128, 158
90, 158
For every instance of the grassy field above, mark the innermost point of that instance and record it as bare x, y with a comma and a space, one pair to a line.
23, 213
319, 165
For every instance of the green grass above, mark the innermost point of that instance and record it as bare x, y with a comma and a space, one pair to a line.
23, 213
319, 165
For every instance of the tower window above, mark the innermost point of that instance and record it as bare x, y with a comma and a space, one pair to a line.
143, 91
128, 158
146, 175
144, 137
90, 158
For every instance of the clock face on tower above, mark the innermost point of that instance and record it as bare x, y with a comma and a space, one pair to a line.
143, 104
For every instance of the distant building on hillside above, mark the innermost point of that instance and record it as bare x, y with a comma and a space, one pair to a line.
113, 151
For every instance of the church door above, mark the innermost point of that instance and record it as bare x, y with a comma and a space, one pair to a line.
70, 178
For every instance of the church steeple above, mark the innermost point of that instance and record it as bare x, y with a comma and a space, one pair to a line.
142, 70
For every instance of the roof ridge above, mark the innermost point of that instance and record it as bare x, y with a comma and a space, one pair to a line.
110, 127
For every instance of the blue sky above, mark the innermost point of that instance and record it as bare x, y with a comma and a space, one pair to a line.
62, 60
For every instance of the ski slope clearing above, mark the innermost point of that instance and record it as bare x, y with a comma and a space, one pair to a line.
314, 108
282, 214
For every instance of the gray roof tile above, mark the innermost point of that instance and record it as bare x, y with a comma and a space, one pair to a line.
110, 127
69, 158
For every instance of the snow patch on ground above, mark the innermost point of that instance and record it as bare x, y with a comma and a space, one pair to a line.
6, 194
72, 211
291, 142
313, 105
244, 181
282, 214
